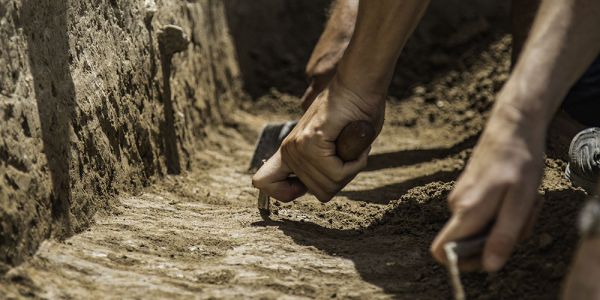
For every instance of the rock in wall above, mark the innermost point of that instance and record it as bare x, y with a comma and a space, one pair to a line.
98, 97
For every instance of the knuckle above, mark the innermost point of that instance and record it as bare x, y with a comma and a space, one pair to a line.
508, 182
292, 141
463, 184
285, 147
287, 151
456, 202
300, 140
464, 209
300, 143
257, 182
286, 142
467, 181
453, 198
507, 177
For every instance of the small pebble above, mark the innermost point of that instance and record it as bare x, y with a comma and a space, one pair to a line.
172, 39
419, 90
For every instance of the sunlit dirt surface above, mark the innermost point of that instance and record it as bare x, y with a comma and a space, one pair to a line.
200, 235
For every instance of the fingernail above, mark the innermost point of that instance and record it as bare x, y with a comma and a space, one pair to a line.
493, 263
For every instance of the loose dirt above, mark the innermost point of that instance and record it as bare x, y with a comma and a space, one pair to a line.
200, 235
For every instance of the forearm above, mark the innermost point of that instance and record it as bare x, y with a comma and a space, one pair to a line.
334, 39
342, 16
562, 43
382, 29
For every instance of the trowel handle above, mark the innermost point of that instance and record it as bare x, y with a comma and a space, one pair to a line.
354, 139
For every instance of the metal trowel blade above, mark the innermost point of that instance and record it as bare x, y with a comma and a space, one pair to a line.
268, 142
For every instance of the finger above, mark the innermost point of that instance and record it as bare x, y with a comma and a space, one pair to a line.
530, 225
286, 190
342, 173
469, 218
351, 168
328, 163
315, 181
362, 163
273, 170
470, 264
512, 217
310, 95
273, 179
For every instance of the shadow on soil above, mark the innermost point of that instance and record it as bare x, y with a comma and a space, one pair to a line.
387, 193
412, 157
393, 252
48, 42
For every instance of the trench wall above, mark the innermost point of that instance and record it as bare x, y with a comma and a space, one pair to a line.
274, 38
98, 97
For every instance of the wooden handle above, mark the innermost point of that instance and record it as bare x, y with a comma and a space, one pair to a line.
354, 139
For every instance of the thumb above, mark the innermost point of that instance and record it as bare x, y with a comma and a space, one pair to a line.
273, 178
310, 95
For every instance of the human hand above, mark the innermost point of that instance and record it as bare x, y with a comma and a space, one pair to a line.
329, 50
318, 82
582, 281
321, 67
499, 187
309, 150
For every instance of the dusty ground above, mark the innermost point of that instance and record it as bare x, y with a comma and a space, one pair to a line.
200, 235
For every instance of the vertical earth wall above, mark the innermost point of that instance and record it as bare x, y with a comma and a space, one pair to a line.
97, 97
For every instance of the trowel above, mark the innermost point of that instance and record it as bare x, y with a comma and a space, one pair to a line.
352, 141
468, 248
268, 142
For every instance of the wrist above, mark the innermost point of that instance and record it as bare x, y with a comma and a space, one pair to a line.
510, 120
529, 104
361, 69
367, 98
368, 79
367, 106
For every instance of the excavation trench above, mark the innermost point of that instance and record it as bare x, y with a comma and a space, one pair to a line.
199, 234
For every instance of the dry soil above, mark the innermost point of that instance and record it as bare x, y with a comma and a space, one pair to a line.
199, 235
